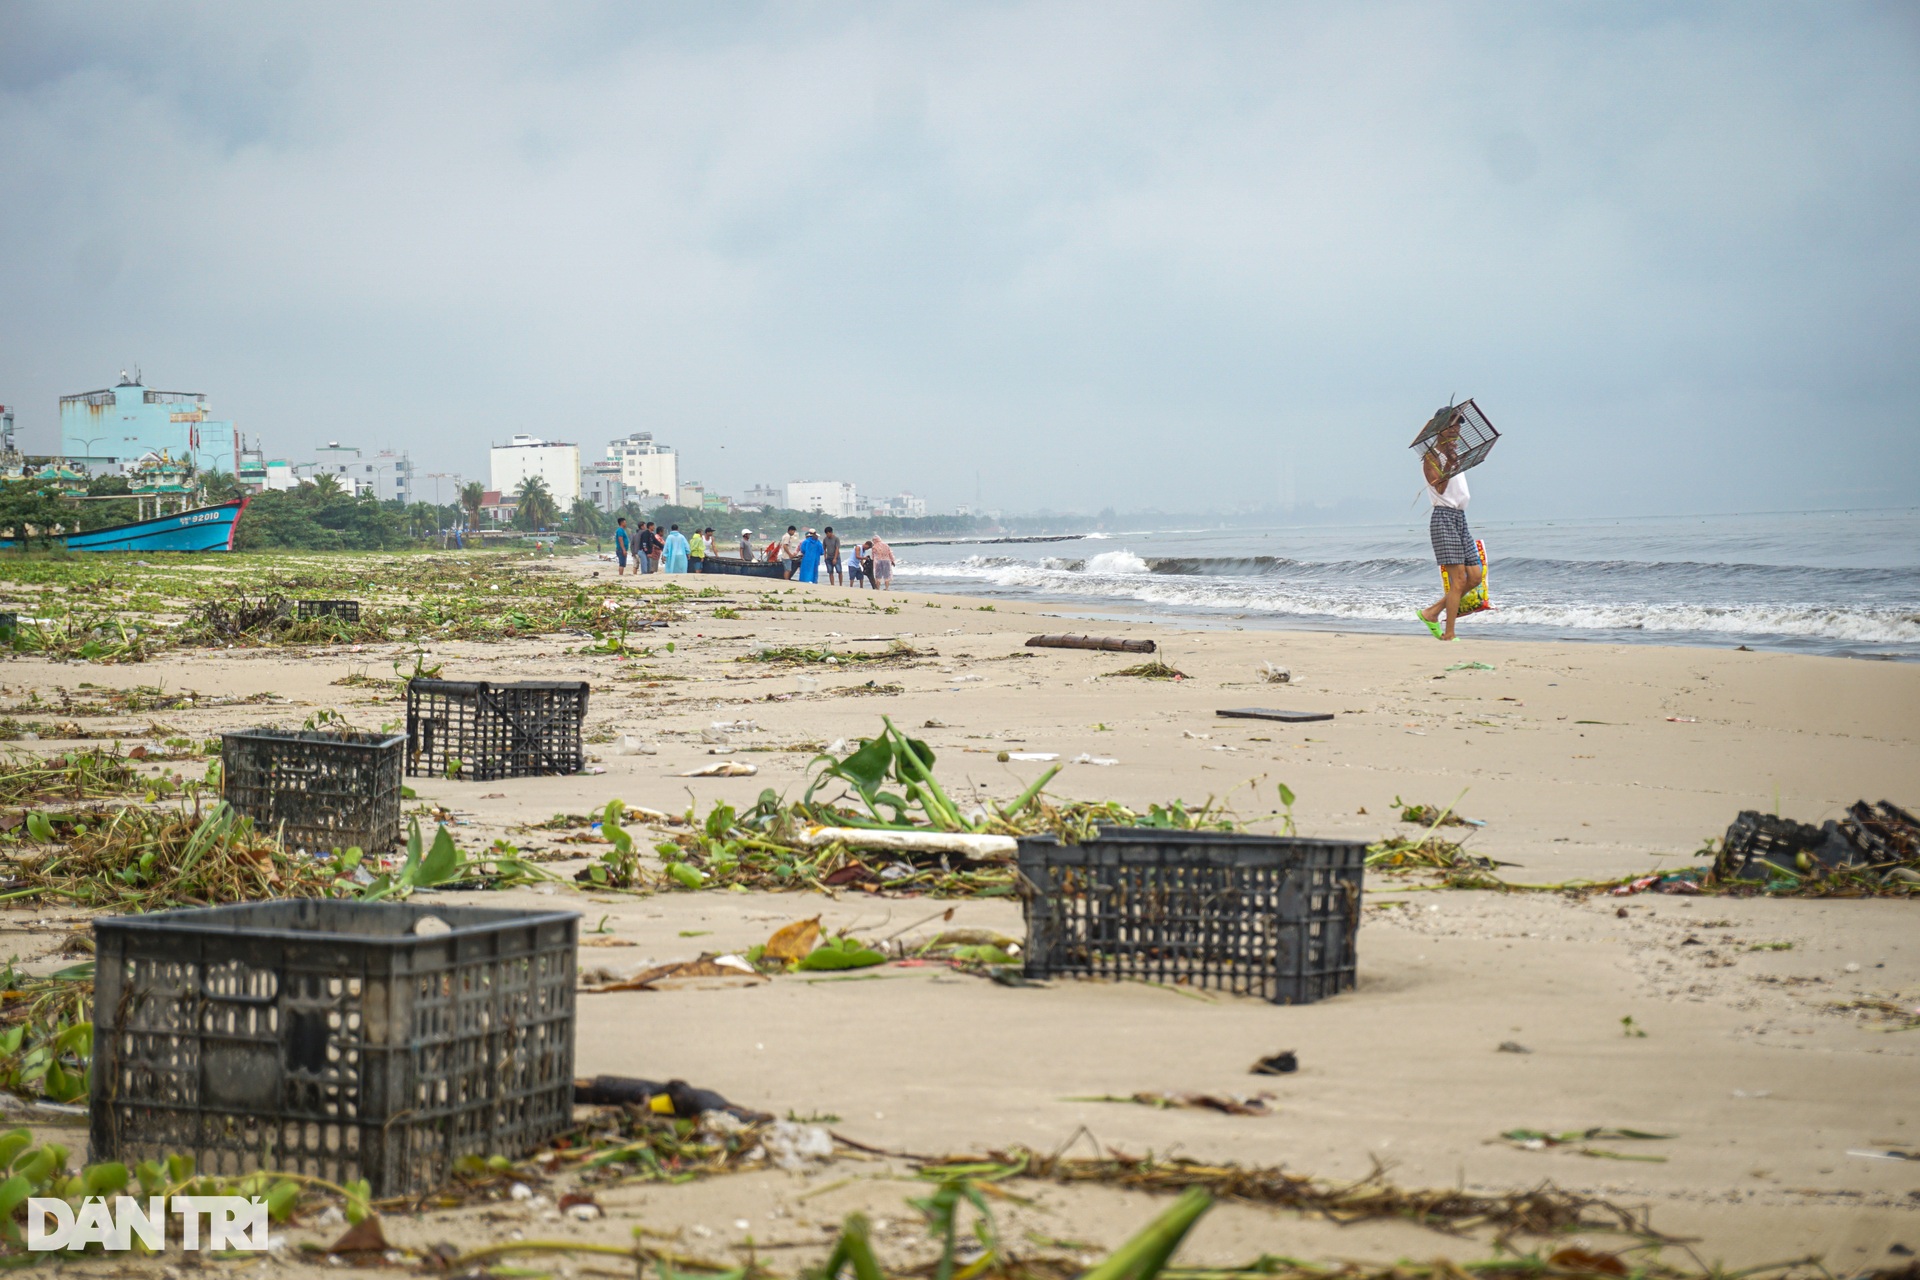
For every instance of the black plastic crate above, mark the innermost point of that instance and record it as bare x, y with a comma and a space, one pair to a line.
345, 610
330, 1039
526, 729
319, 790
1265, 916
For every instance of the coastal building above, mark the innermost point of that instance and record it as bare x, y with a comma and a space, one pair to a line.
900, 504
118, 426
604, 484
526, 456
392, 476
763, 496
497, 508
386, 475
6, 431
824, 497
257, 473
650, 470
692, 494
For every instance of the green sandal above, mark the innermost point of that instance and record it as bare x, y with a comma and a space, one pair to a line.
1432, 625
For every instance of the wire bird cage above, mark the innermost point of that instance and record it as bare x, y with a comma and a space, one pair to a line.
1471, 438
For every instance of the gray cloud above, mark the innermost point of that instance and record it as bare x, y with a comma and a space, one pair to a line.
1096, 254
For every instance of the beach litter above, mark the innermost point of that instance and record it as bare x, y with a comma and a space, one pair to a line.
1541, 1210
1275, 674
1761, 846
662, 1098
725, 769
1231, 1104
1087, 758
978, 845
1269, 713
708, 970
1427, 815
1283, 1063
1112, 644
1541, 1140
1155, 670
889, 801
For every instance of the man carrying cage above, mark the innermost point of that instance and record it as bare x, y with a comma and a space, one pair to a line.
1444, 461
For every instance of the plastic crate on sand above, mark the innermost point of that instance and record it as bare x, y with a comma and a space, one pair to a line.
483, 731
346, 610
318, 789
335, 1039
1268, 916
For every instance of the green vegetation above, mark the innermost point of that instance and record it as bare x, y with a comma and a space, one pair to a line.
115, 609
319, 517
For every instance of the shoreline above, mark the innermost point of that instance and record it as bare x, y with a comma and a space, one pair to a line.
1059, 606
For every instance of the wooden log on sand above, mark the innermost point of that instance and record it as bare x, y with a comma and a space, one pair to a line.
1113, 644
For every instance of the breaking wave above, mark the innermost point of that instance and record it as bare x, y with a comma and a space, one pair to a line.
1116, 562
1597, 598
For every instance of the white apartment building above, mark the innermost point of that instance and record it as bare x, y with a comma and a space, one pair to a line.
386, 475
525, 456
601, 484
692, 494
391, 475
826, 497
649, 470
900, 504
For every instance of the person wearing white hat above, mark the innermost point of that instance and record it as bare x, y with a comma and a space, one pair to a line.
746, 546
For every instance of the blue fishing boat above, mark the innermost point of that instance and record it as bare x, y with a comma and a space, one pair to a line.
202, 529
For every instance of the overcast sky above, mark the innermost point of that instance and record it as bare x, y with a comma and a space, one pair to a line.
1074, 255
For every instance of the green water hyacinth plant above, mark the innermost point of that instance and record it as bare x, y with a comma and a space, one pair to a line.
907, 764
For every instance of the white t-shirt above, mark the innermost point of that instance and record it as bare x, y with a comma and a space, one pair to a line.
1454, 495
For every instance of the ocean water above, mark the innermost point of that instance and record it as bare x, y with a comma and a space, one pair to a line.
1839, 582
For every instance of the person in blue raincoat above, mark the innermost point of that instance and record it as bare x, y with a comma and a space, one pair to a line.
810, 550
676, 553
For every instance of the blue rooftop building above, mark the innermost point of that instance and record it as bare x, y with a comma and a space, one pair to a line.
128, 421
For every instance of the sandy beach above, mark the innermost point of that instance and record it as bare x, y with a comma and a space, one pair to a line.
1581, 760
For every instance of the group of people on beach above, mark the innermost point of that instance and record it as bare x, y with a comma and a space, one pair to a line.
802, 558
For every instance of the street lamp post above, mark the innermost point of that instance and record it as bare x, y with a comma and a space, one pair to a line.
437, 477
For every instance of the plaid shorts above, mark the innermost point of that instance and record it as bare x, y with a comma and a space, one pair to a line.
1452, 541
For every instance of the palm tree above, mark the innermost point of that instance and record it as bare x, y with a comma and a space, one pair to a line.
472, 494
219, 486
422, 518
536, 507
586, 517
326, 487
